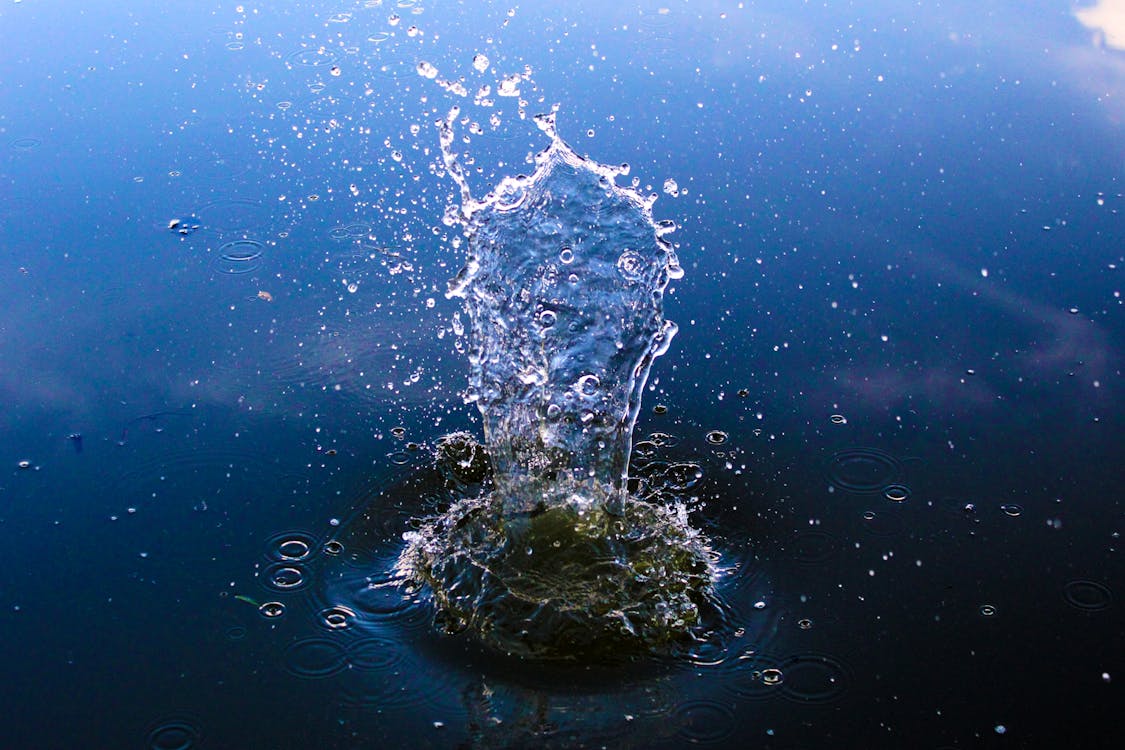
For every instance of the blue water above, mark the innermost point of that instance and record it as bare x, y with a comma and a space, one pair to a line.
908, 218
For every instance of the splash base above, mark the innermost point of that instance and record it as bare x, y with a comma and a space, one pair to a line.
567, 582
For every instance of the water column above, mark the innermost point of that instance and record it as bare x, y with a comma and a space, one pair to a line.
564, 288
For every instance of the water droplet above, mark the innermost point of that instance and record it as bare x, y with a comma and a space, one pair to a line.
716, 437
838, 419
988, 610
480, 62
566, 255
804, 624
25, 464
333, 547
1011, 509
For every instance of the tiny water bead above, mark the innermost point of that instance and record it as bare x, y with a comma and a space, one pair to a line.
988, 610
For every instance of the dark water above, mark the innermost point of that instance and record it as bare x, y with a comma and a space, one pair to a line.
895, 394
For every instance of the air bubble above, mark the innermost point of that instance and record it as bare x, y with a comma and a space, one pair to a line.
588, 385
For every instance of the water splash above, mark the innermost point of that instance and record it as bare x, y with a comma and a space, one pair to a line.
564, 287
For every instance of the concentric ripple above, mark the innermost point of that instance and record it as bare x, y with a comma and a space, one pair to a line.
863, 470
315, 658
1088, 596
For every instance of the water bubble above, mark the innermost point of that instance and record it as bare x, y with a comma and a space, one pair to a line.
270, 610
547, 318
588, 385
480, 62
24, 464
333, 547
988, 610
716, 437
772, 676
566, 255
804, 624
838, 419
1011, 509
398, 432
896, 493
426, 70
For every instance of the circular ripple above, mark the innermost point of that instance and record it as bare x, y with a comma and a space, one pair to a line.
355, 231
239, 256
26, 144
285, 576
752, 675
813, 547
1088, 596
337, 617
703, 722
315, 658
236, 215
291, 546
173, 734
312, 57
863, 470
716, 437
814, 678
373, 654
